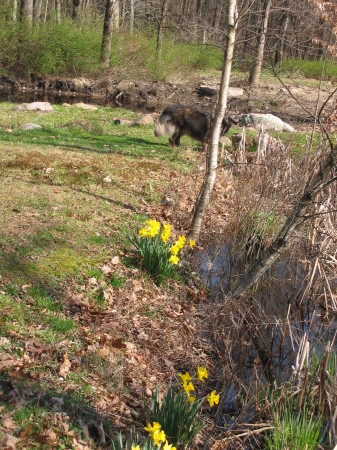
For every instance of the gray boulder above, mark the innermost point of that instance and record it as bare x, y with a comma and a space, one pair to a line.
30, 126
36, 106
270, 122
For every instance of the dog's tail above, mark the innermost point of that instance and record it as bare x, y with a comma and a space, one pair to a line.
164, 125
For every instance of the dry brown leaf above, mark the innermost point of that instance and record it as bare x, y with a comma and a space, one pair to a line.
104, 352
32, 346
115, 260
7, 360
117, 343
106, 269
8, 442
65, 366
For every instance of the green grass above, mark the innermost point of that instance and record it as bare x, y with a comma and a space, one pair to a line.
299, 68
294, 431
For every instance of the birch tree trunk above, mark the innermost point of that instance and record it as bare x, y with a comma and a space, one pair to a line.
107, 33
58, 10
161, 27
314, 185
132, 15
15, 9
255, 72
213, 146
115, 14
37, 11
26, 10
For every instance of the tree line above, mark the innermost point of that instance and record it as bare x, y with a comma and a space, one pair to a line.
304, 29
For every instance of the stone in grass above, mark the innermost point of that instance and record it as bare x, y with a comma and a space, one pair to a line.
270, 122
36, 106
30, 126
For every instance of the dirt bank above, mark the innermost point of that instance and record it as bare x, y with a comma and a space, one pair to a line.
152, 96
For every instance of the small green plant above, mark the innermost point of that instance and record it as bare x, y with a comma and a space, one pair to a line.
158, 258
294, 431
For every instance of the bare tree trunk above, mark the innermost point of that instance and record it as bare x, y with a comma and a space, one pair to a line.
58, 11
255, 72
132, 15
26, 10
213, 147
316, 184
37, 11
161, 27
76, 9
115, 14
46, 11
15, 9
279, 54
204, 35
107, 33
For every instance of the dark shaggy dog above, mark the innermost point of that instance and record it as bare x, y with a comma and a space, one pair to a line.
178, 121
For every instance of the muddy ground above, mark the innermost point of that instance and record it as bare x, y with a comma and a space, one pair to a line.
295, 107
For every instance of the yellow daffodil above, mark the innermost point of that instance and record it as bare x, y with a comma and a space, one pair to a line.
174, 250
192, 243
213, 398
191, 399
158, 437
188, 387
174, 260
168, 446
135, 448
202, 373
181, 241
184, 378
152, 429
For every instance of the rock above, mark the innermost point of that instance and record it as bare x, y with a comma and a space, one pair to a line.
123, 122
125, 85
36, 106
85, 106
145, 119
270, 122
225, 141
30, 126
66, 104
212, 90
80, 84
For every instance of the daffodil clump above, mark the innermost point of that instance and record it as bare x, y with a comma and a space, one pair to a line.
213, 398
159, 437
159, 257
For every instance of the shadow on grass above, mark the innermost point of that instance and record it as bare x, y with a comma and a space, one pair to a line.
22, 393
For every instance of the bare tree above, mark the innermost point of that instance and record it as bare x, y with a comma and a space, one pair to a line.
255, 72
213, 146
26, 10
132, 14
107, 33
115, 14
58, 10
161, 27
37, 11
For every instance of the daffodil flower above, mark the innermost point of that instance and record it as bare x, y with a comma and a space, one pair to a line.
174, 249
174, 260
188, 387
184, 378
135, 448
202, 373
192, 243
213, 398
181, 241
158, 437
168, 446
152, 429
191, 399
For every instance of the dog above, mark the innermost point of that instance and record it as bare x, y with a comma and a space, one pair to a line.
178, 121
